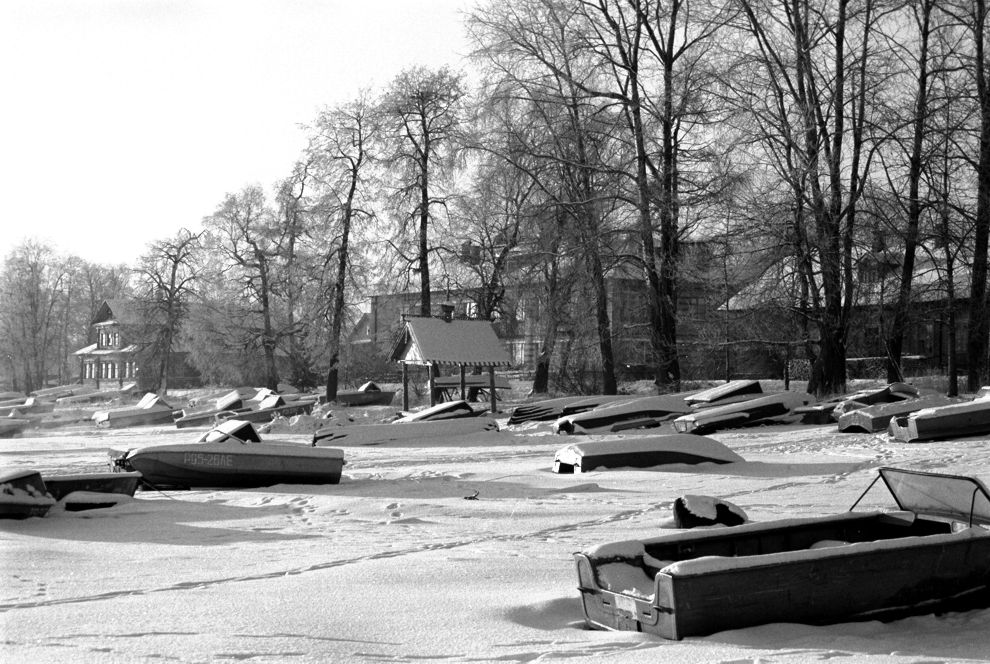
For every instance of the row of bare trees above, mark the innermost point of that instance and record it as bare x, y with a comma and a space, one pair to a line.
813, 136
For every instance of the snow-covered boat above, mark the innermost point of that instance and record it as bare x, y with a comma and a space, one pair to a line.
427, 432
447, 410
932, 554
368, 394
60, 486
552, 409
11, 426
151, 409
766, 409
23, 494
233, 455
636, 413
970, 418
642, 452
878, 416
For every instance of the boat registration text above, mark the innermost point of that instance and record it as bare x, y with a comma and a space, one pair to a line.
213, 460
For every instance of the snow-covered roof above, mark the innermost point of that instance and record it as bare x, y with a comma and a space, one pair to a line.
453, 341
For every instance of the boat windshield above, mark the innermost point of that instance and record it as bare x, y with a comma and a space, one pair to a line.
949, 496
239, 430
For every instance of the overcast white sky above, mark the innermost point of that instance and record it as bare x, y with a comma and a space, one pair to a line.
122, 121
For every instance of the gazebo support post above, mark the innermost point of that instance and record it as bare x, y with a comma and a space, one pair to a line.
463, 386
405, 386
433, 386
491, 388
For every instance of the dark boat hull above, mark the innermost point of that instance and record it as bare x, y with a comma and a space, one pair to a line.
23, 494
234, 464
369, 398
59, 486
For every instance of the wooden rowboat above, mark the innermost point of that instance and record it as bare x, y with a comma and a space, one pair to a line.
932, 554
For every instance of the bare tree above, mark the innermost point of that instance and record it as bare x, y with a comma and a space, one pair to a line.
244, 232
343, 150
33, 284
422, 112
919, 125
814, 123
166, 274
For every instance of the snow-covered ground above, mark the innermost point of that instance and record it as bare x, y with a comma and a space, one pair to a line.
397, 564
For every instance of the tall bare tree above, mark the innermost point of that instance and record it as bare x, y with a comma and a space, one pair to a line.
166, 275
422, 113
344, 151
245, 234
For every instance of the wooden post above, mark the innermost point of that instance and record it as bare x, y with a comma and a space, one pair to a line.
491, 387
433, 386
405, 386
463, 386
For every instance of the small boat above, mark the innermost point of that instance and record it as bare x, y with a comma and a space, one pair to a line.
60, 486
151, 409
891, 393
878, 416
932, 554
766, 409
232, 455
23, 494
552, 409
448, 410
970, 418
642, 452
637, 413
732, 390
368, 394
436, 432
11, 426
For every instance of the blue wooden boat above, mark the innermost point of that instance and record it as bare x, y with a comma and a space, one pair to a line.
932, 554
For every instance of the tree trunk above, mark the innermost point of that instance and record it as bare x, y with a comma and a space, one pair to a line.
979, 324
895, 340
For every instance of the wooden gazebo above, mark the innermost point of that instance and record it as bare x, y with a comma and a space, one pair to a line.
448, 341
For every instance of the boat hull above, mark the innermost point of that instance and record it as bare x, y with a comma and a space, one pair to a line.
23, 494
59, 486
840, 584
933, 554
368, 398
233, 464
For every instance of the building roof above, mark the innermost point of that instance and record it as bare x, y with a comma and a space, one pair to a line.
455, 341
119, 310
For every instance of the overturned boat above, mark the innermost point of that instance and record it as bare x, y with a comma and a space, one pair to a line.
422, 432
877, 417
767, 409
151, 409
642, 452
970, 418
552, 409
933, 553
232, 455
447, 410
636, 413
368, 394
